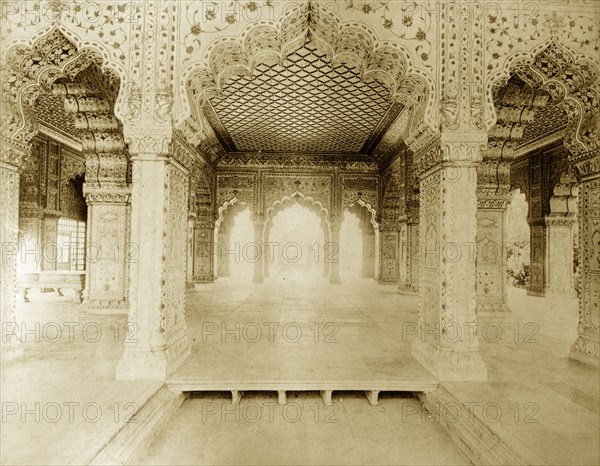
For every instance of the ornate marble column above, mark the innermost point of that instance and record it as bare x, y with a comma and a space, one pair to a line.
408, 279
493, 186
368, 249
224, 249
388, 250
552, 242
108, 250
204, 253
158, 278
334, 257
587, 346
12, 157
447, 342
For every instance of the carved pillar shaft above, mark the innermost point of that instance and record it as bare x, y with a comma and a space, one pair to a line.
224, 250
388, 252
408, 282
189, 264
552, 257
158, 277
11, 162
491, 256
368, 250
446, 342
587, 346
493, 186
204, 253
108, 250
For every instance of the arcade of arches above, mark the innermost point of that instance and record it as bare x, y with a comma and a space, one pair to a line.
153, 151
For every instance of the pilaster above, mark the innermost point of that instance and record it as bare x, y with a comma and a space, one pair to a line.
587, 345
204, 253
408, 279
108, 251
493, 186
12, 157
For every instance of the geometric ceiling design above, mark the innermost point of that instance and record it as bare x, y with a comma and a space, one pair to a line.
302, 106
50, 111
548, 120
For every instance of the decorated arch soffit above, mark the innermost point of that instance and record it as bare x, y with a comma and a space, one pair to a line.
554, 36
389, 44
99, 28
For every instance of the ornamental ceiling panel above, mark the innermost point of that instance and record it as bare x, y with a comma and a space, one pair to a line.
302, 105
50, 111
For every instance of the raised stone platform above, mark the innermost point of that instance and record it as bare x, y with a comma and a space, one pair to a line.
53, 279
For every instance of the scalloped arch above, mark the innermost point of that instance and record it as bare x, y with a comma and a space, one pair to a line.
568, 77
233, 202
366, 205
34, 64
286, 201
353, 44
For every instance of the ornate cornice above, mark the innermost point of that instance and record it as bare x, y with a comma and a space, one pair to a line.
14, 153
296, 160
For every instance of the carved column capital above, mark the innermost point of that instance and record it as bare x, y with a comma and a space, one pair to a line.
149, 140
106, 196
462, 146
587, 165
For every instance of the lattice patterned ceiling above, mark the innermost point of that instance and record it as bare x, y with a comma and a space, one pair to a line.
548, 120
50, 111
302, 105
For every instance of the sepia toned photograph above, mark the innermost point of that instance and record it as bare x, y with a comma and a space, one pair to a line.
300, 232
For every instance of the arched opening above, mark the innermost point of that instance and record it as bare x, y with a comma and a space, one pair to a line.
351, 254
242, 250
296, 244
234, 233
358, 243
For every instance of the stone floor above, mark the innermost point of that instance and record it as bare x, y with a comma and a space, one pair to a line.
60, 402
549, 404
301, 334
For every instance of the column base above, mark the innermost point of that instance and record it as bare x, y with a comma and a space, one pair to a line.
258, 280
408, 289
387, 281
551, 292
492, 308
203, 279
463, 366
147, 364
586, 349
105, 306
335, 281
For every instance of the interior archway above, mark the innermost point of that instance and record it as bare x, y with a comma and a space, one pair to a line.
296, 241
